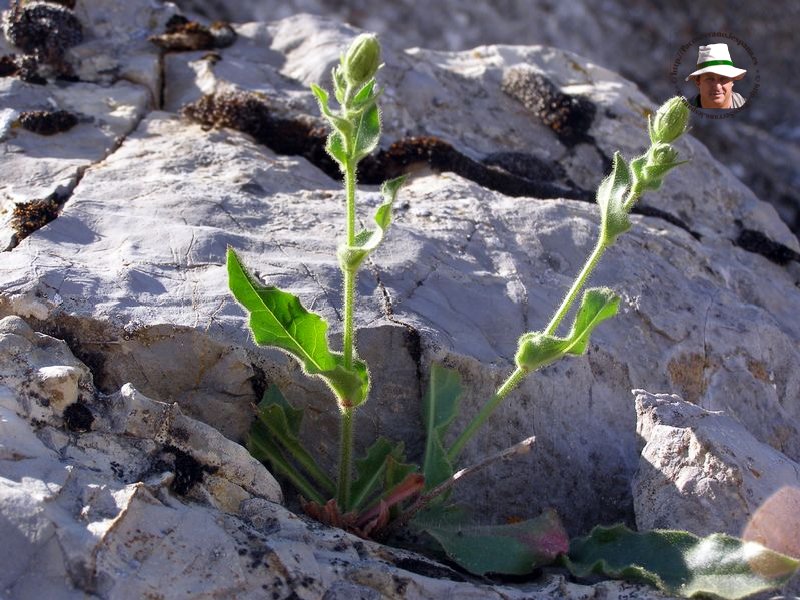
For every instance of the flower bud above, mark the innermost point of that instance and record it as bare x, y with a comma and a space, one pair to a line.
670, 121
661, 154
362, 59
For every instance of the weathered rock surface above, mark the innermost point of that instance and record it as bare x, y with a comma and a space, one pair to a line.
124, 497
131, 272
638, 39
703, 471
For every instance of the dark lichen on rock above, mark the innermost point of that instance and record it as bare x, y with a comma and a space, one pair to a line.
27, 217
181, 34
570, 117
43, 31
78, 417
47, 122
187, 469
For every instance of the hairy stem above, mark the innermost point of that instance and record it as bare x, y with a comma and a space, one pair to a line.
345, 459
579, 282
349, 276
509, 384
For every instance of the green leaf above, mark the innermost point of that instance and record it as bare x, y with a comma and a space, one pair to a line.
367, 132
263, 449
439, 408
365, 96
371, 470
597, 305
294, 416
351, 257
611, 195
335, 147
278, 319
282, 422
275, 432
512, 549
680, 563
339, 123
536, 349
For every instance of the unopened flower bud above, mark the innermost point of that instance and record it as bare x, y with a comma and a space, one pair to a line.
670, 121
661, 154
362, 59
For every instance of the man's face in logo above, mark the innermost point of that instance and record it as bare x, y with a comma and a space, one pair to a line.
715, 90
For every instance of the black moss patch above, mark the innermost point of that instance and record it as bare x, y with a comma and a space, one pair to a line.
188, 470
27, 217
8, 65
570, 117
44, 122
44, 30
78, 417
513, 175
181, 34
757, 242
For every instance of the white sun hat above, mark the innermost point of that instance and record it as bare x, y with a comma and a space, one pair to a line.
715, 58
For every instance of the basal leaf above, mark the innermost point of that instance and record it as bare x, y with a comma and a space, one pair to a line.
351, 257
512, 549
680, 563
278, 319
294, 416
611, 195
275, 428
439, 408
263, 448
597, 305
371, 470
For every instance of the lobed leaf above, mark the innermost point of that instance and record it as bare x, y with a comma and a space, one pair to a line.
277, 318
681, 563
611, 196
439, 408
511, 549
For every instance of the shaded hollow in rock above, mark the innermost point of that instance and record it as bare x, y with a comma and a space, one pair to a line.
253, 114
570, 117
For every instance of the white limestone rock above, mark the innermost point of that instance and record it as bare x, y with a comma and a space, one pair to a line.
132, 272
704, 472
128, 498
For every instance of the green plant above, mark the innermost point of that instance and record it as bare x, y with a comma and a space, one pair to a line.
388, 491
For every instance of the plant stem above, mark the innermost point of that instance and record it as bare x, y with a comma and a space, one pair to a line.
580, 280
509, 384
345, 459
349, 276
346, 439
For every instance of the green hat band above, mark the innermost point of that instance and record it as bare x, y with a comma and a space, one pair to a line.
713, 63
